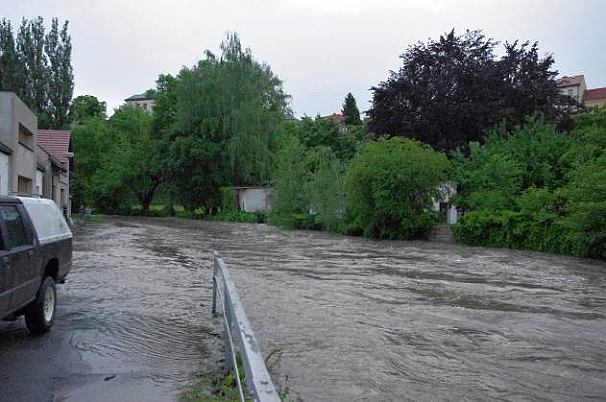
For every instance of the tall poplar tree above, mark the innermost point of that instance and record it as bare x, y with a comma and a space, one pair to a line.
60, 77
11, 71
37, 67
30, 49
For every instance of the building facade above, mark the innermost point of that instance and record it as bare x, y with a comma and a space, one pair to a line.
595, 97
18, 138
574, 87
141, 100
32, 162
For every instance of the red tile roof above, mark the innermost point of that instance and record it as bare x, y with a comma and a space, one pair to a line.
594, 94
55, 142
337, 118
570, 81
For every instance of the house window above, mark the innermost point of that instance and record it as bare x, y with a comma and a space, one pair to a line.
26, 137
24, 185
145, 106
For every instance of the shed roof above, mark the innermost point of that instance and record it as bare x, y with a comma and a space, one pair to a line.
55, 142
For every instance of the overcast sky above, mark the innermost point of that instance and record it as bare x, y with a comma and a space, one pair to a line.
321, 49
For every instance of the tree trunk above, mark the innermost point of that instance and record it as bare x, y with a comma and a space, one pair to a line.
147, 197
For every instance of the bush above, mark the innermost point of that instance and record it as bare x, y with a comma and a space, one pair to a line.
292, 174
325, 190
390, 186
585, 207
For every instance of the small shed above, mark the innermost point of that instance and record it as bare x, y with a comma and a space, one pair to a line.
253, 198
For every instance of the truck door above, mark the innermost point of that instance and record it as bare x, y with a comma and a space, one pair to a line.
21, 255
5, 277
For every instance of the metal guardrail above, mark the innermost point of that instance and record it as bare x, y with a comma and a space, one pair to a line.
235, 322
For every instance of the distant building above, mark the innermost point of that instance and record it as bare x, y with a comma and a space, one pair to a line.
253, 198
339, 119
141, 100
335, 118
595, 97
576, 88
443, 203
573, 87
290, 117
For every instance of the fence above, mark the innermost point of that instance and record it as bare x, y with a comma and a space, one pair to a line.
258, 383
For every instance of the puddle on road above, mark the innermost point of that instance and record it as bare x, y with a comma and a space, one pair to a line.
133, 303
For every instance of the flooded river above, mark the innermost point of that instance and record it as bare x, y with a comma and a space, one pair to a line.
355, 319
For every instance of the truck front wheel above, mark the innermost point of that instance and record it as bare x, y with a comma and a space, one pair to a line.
40, 314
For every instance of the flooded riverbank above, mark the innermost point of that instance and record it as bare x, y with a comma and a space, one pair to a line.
360, 319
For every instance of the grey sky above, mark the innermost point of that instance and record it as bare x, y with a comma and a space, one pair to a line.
321, 49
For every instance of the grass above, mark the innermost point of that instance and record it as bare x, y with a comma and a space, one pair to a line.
162, 210
216, 387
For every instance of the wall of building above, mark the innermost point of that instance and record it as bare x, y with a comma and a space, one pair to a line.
596, 103
22, 160
442, 203
4, 173
575, 91
43, 164
147, 104
253, 199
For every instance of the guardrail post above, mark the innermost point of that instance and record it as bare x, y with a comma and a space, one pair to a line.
214, 309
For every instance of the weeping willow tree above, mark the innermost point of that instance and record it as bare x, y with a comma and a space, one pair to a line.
228, 112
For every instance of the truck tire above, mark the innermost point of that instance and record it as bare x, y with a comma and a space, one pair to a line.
40, 314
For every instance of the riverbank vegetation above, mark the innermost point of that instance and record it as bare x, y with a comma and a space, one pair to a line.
527, 174
535, 188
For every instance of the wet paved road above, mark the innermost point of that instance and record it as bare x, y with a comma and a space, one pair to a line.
356, 319
129, 327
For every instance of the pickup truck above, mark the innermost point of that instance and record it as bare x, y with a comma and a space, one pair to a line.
35, 255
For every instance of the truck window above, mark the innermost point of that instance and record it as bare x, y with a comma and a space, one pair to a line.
15, 229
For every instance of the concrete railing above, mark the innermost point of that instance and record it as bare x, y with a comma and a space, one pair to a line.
258, 383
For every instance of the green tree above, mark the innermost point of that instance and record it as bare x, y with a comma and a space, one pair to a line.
91, 141
289, 197
11, 69
30, 50
390, 186
130, 165
585, 208
320, 132
37, 67
350, 110
496, 173
87, 106
325, 189
117, 161
60, 76
228, 114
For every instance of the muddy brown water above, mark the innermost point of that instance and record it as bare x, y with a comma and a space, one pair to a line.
355, 319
